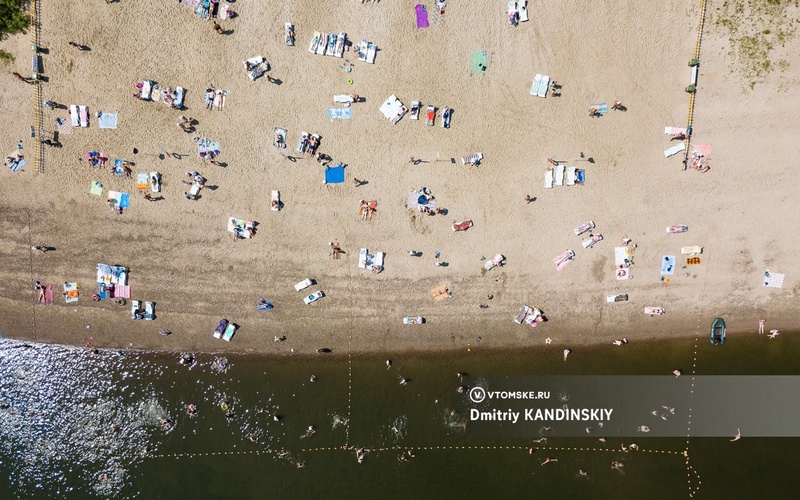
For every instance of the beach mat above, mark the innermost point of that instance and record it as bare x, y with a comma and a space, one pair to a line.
339, 113
422, 16
107, 120
668, 265
207, 147
334, 175
774, 280
479, 62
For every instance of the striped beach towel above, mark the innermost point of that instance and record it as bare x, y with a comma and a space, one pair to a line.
123, 291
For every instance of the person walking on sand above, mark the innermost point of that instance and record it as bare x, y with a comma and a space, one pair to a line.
218, 28
22, 78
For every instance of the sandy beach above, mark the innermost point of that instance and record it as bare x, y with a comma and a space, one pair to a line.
182, 258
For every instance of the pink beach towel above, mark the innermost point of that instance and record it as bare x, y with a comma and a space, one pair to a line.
123, 291
422, 16
64, 126
702, 149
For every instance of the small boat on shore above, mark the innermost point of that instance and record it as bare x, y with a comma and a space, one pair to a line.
718, 332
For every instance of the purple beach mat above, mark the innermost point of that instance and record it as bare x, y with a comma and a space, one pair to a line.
422, 16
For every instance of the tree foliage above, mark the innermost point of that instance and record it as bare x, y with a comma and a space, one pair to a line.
12, 17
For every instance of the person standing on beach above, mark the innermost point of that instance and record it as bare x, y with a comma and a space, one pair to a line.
218, 28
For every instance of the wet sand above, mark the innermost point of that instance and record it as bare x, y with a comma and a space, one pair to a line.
182, 258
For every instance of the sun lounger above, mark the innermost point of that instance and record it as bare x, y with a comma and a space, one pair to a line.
230, 330
323, 43
679, 228
330, 50
155, 182
312, 47
674, 149
522, 10
275, 202
363, 47
288, 34
415, 107
548, 178
177, 98
652, 310
221, 326
371, 50
338, 50
572, 175
195, 189
522, 314
623, 297
674, 130
251, 63
279, 137
141, 182
258, 71
473, 159
430, 115
565, 258
343, 98
302, 285
559, 175
668, 265
73, 115
136, 310
691, 250
589, 242
83, 112
586, 226
149, 311
147, 90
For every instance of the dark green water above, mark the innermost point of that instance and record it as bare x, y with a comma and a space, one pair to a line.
74, 424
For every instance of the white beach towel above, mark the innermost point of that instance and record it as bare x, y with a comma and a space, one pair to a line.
674, 150
548, 178
559, 175
774, 280
522, 10
73, 114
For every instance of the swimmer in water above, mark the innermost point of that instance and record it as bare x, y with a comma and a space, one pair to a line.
192, 409
388, 363
313, 378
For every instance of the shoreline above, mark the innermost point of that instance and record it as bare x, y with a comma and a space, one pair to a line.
182, 258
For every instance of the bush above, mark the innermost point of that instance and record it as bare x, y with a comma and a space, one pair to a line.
12, 17
6, 57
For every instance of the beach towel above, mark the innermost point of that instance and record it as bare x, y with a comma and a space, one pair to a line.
48, 295
774, 280
120, 199
562, 260
668, 265
102, 291
340, 113
599, 108
422, 16
71, 292
522, 10
674, 130
540, 85
334, 175
701, 149
472, 159
16, 165
83, 112
674, 150
240, 226
107, 120
559, 175
479, 61
206, 147
73, 115
123, 291
141, 182
63, 126
416, 200
548, 178
96, 188
264, 305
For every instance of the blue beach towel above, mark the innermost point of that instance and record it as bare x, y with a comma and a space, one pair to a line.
668, 265
16, 165
334, 175
107, 120
339, 113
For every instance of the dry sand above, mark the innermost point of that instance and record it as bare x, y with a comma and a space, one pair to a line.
182, 258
